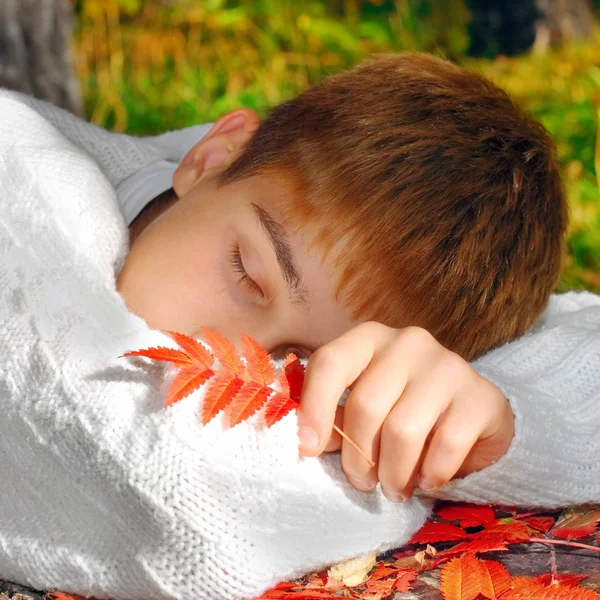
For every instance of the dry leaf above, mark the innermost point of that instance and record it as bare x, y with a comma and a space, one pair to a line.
353, 572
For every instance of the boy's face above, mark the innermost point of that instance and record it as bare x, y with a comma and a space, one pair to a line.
220, 258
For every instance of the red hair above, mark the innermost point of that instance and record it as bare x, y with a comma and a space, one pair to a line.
447, 195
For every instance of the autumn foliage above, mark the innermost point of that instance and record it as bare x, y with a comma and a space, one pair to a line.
238, 385
463, 574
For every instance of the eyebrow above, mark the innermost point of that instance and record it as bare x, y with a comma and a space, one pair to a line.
285, 257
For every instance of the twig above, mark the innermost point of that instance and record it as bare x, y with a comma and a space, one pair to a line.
354, 445
553, 569
564, 543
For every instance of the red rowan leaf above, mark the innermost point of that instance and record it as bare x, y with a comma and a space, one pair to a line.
460, 578
249, 399
162, 353
433, 532
65, 596
224, 350
524, 588
566, 579
495, 579
193, 348
294, 372
476, 545
576, 523
221, 391
187, 380
277, 406
539, 523
466, 577
260, 366
381, 572
283, 378
512, 531
378, 590
239, 388
468, 515
404, 580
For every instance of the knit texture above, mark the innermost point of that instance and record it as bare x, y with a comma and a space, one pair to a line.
106, 493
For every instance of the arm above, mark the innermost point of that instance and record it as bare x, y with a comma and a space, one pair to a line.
551, 377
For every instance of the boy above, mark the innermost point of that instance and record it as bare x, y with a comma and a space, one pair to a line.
316, 243
435, 207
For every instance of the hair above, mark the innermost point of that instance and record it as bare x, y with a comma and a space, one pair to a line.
447, 196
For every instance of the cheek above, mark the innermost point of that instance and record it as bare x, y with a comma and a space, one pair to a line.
182, 282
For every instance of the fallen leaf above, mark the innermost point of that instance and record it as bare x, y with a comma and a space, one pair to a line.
353, 572
468, 515
576, 523
438, 532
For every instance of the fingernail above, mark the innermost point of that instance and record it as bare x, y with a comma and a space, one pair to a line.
424, 484
393, 496
309, 440
364, 485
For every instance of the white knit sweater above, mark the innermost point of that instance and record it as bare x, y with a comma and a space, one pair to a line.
103, 492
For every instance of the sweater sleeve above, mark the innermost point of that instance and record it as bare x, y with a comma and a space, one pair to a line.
118, 156
551, 377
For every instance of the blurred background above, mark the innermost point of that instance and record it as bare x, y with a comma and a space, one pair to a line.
147, 66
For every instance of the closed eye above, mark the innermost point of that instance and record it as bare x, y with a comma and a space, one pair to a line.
235, 259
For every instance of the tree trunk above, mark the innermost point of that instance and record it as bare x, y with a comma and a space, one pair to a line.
35, 54
562, 21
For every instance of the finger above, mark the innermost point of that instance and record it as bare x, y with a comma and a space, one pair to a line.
367, 407
335, 439
459, 430
493, 442
405, 432
330, 370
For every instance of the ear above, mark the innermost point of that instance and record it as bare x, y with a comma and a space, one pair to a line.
216, 150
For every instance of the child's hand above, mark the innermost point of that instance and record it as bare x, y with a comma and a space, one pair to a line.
403, 382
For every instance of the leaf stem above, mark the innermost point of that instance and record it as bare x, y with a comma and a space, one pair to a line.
354, 445
564, 543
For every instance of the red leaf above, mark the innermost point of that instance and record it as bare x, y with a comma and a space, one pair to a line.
283, 378
524, 588
377, 590
294, 372
573, 533
466, 577
224, 350
576, 523
193, 348
437, 532
567, 579
162, 353
404, 580
477, 545
539, 523
221, 391
65, 596
469, 515
459, 579
260, 365
187, 380
246, 402
497, 579
277, 406
381, 572
512, 531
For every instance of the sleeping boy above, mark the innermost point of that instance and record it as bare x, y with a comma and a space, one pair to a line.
399, 225
392, 223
